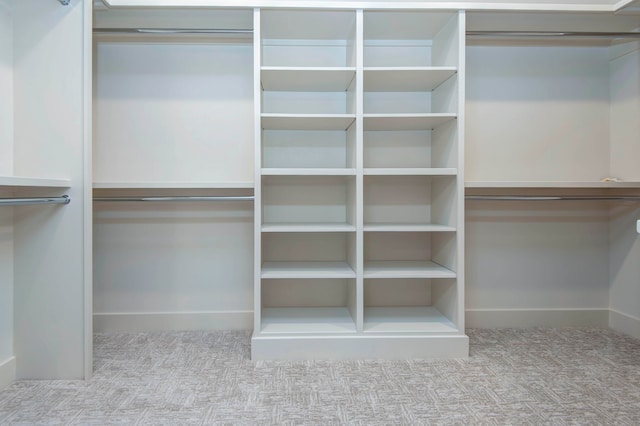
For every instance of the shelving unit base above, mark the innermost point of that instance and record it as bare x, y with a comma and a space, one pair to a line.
334, 347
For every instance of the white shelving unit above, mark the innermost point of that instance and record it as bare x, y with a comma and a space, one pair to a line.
360, 192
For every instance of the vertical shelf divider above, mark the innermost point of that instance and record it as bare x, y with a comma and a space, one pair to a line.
460, 182
360, 168
257, 222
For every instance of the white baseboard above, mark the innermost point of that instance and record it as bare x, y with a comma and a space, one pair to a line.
475, 318
7, 372
172, 321
624, 323
523, 318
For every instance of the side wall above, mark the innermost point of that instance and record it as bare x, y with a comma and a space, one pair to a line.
7, 361
6, 88
624, 240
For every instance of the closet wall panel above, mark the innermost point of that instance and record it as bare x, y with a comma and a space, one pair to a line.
6, 87
170, 267
625, 270
178, 112
625, 110
537, 113
536, 263
7, 361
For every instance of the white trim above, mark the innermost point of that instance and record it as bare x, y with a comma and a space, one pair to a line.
523, 318
624, 323
359, 347
7, 372
604, 6
622, 4
171, 321
475, 318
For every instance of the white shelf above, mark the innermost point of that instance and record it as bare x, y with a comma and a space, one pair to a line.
407, 227
416, 319
550, 184
406, 269
307, 79
21, 182
308, 172
308, 227
307, 320
398, 171
307, 270
173, 185
405, 79
426, 121
273, 121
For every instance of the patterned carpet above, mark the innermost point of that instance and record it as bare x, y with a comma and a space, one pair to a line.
537, 376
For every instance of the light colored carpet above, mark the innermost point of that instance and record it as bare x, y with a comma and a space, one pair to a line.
536, 376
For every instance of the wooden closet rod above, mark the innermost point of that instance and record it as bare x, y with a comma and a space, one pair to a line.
165, 31
36, 200
181, 198
592, 34
550, 198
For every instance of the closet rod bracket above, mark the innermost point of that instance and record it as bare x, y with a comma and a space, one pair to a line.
64, 2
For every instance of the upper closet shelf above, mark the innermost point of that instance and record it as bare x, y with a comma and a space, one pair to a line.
550, 184
173, 185
19, 182
405, 79
307, 79
307, 121
425, 121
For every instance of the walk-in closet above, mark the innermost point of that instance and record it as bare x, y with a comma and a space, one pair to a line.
348, 180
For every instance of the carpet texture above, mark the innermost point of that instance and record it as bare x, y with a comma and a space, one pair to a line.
534, 376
